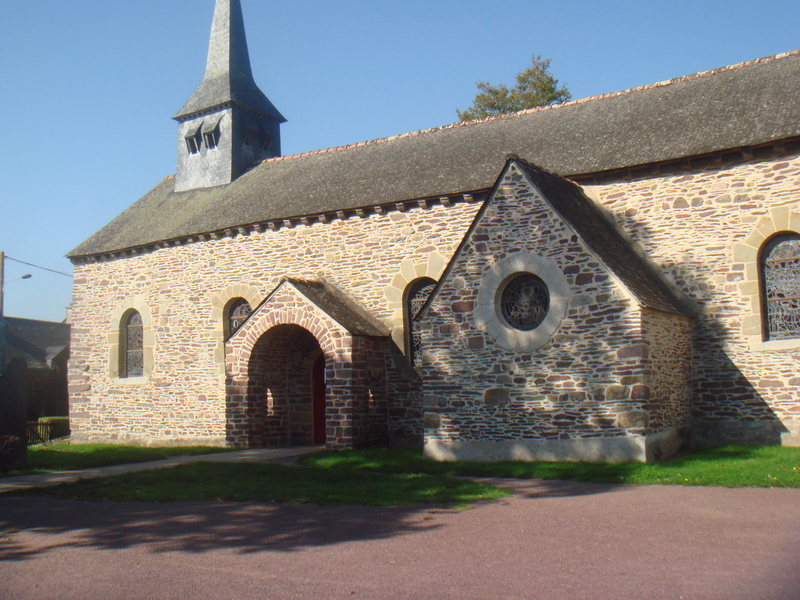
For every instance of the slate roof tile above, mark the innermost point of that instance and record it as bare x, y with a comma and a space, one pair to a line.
745, 105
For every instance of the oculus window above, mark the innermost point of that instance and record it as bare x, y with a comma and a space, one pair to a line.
522, 300
525, 301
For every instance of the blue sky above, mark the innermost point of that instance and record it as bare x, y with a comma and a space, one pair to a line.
89, 86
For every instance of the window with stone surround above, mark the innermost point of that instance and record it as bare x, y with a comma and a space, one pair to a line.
521, 302
236, 312
779, 269
752, 255
132, 348
415, 296
131, 342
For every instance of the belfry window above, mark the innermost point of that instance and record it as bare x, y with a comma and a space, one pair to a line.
132, 346
211, 136
780, 284
194, 140
415, 298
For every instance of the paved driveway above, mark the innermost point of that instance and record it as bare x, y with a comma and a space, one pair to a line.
550, 540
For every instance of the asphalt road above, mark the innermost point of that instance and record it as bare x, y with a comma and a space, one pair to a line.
549, 540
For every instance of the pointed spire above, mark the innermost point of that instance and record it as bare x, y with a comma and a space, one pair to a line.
228, 77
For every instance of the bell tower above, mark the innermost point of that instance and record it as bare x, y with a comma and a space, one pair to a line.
228, 124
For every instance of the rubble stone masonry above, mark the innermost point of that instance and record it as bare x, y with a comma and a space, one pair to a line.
608, 372
183, 399
589, 392
703, 228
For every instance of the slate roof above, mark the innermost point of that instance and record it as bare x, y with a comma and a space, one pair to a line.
340, 307
228, 77
745, 105
35, 341
607, 240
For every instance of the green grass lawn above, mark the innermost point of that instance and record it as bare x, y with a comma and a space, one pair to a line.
391, 477
731, 466
67, 457
266, 482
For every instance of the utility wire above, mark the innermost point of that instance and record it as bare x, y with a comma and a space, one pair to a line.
37, 266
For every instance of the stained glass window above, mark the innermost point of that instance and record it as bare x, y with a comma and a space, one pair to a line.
416, 297
134, 345
238, 311
525, 302
780, 267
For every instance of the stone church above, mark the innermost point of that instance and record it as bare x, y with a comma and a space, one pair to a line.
615, 278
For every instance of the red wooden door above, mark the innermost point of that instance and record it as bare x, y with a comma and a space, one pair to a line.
318, 396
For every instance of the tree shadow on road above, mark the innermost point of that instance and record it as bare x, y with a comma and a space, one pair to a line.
194, 527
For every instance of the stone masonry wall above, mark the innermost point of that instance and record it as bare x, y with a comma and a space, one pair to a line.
587, 381
690, 224
183, 400
669, 369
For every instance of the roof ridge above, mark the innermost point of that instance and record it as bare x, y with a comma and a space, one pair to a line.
536, 109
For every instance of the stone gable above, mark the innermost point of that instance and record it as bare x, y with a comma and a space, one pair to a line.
591, 378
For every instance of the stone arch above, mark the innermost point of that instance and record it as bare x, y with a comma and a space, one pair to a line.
287, 313
416, 294
746, 256
116, 338
280, 383
410, 270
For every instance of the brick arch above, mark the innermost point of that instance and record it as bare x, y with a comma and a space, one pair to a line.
249, 422
280, 387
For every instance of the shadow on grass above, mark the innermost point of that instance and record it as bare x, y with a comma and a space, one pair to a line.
58, 457
730, 466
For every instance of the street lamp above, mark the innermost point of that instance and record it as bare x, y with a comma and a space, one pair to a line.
3, 280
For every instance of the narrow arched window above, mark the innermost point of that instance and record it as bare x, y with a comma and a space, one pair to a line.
238, 310
780, 285
133, 346
415, 297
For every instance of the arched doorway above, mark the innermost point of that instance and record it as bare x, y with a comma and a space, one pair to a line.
286, 388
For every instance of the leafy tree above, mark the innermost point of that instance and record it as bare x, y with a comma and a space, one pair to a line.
536, 86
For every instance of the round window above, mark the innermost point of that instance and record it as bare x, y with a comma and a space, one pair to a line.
525, 301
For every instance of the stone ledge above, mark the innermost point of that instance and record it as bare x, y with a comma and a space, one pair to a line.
708, 433
617, 449
757, 345
149, 440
